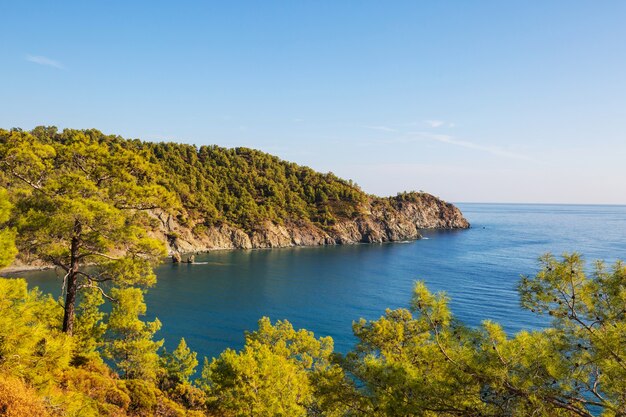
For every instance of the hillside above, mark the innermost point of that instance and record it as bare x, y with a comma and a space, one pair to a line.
244, 198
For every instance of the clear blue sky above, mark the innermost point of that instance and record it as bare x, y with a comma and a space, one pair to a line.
472, 101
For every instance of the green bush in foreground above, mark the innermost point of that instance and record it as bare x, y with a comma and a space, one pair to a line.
418, 361
421, 361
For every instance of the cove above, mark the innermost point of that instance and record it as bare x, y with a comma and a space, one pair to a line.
324, 289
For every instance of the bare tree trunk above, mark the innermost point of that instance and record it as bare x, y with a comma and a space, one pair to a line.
72, 284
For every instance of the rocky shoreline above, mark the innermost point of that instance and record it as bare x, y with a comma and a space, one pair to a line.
378, 223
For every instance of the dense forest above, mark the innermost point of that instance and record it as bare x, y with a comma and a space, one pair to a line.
224, 191
239, 186
82, 201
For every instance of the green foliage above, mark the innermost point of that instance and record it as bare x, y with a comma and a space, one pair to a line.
213, 185
129, 340
179, 365
7, 235
189, 396
409, 363
422, 362
412, 196
271, 376
91, 389
589, 322
143, 396
300, 346
257, 382
90, 326
31, 345
80, 201
38, 377
245, 187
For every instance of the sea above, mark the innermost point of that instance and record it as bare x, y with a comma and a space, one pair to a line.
213, 302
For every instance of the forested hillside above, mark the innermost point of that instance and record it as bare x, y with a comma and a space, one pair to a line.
244, 186
239, 186
90, 205
225, 198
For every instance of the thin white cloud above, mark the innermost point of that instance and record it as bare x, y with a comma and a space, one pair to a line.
407, 137
494, 150
381, 128
434, 123
42, 60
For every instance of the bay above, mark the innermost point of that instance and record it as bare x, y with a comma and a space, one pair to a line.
324, 289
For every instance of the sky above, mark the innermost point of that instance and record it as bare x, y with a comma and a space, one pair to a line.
473, 101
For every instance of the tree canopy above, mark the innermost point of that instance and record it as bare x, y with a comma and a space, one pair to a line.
7, 235
80, 205
209, 184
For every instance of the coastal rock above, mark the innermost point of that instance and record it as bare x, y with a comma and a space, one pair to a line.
380, 220
271, 235
224, 237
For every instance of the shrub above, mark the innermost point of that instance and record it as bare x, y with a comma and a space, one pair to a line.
143, 396
19, 400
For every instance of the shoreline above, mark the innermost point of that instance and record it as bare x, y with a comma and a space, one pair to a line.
24, 268
16, 269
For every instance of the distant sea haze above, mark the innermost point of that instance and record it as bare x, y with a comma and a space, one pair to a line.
324, 289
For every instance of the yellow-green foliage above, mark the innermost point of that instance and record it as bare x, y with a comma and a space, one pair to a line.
244, 186
257, 382
418, 361
240, 186
180, 364
31, 344
589, 327
130, 341
422, 362
143, 396
90, 326
66, 373
79, 204
271, 376
7, 236
189, 396
101, 390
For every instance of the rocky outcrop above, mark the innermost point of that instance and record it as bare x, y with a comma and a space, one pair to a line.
381, 220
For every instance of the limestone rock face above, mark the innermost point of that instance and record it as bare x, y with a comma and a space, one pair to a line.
379, 221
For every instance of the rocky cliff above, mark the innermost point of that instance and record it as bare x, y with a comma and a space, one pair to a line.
380, 220
208, 197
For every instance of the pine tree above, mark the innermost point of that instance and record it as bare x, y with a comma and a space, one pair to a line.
80, 205
276, 373
90, 327
7, 235
129, 340
180, 365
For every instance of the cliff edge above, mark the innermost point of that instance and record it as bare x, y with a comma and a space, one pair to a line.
380, 220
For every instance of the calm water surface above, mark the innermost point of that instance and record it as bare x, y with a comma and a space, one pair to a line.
324, 289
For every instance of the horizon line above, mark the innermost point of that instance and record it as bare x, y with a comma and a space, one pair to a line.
538, 204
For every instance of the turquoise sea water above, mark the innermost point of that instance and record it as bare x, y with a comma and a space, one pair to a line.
324, 289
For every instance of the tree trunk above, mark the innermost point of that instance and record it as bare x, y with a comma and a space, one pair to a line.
72, 282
